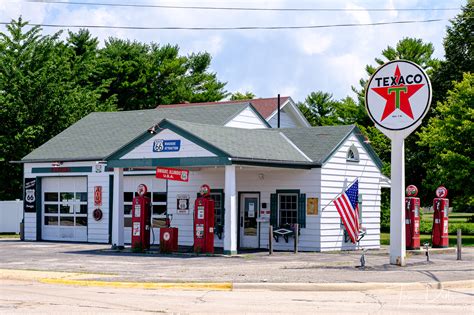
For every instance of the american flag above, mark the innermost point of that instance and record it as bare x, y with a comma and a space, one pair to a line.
348, 208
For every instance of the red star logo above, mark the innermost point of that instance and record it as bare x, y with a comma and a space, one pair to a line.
397, 96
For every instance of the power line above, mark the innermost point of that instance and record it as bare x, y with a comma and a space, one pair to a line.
138, 5
229, 28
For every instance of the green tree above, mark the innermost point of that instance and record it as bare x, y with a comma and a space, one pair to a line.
39, 97
242, 96
449, 137
320, 109
412, 49
459, 53
419, 52
144, 76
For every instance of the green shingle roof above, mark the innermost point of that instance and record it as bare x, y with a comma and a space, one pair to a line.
245, 143
100, 134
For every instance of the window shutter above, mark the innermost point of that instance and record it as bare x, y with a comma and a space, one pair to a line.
302, 211
273, 210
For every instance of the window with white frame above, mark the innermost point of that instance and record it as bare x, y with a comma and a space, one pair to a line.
287, 208
65, 208
158, 205
352, 154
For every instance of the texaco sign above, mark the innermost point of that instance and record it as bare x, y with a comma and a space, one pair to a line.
398, 95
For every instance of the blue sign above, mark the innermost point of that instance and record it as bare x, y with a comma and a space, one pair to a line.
160, 145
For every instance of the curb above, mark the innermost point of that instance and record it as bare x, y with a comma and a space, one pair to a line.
353, 286
226, 286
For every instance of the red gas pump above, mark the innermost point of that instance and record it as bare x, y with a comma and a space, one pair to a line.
412, 218
440, 218
204, 222
141, 219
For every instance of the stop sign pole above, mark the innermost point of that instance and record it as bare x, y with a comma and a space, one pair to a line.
397, 98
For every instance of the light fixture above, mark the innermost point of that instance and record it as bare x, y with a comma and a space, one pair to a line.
261, 176
56, 164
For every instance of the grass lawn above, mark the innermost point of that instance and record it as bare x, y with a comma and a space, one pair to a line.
9, 235
467, 240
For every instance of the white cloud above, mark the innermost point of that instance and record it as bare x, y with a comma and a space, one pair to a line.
313, 42
362, 17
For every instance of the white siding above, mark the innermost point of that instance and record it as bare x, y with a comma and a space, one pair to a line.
246, 119
336, 174
286, 120
188, 148
98, 231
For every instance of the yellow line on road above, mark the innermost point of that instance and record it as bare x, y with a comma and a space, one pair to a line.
226, 286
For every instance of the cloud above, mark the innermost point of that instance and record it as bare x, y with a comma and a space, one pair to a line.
313, 42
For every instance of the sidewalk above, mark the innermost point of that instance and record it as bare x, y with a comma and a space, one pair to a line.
255, 270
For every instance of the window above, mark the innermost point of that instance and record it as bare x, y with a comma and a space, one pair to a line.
352, 154
217, 196
158, 208
65, 209
287, 209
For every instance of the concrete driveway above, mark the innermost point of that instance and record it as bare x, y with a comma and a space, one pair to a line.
256, 267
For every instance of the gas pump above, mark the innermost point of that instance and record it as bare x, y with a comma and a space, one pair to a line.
412, 218
141, 219
168, 236
204, 222
439, 232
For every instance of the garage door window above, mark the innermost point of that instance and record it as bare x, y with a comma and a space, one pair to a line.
65, 209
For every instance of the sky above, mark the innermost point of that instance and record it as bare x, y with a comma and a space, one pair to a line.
265, 62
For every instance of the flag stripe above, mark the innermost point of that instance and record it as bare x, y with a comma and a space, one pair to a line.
341, 207
348, 209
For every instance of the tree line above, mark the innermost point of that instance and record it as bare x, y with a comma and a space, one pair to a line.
48, 83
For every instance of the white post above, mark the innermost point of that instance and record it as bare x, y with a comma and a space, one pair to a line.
397, 202
231, 220
117, 215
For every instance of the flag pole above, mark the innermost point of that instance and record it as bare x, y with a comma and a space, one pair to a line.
337, 196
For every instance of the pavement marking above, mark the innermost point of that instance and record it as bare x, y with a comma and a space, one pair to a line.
226, 286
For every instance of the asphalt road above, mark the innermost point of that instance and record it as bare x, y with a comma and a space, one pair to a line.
21, 297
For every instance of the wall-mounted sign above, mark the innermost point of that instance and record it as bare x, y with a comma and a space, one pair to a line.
98, 196
312, 206
182, 203
29, 203
161, 145
172, 174
398, 95
97, 214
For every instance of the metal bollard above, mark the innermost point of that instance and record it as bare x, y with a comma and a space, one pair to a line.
270, 240
426, 246
296, 238
459, 244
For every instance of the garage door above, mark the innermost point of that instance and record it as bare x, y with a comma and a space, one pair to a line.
64, 209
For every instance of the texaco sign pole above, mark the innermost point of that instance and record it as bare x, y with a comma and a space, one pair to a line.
397, 98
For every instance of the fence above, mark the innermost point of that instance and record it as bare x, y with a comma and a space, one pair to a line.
11, 214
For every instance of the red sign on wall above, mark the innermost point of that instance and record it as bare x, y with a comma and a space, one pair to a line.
172, 174
98, 196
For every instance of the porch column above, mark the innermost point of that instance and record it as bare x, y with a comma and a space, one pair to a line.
231, 220
117, 212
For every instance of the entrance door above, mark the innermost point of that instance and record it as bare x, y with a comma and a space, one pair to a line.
249, 210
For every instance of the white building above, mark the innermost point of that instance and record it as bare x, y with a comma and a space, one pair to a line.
229, 146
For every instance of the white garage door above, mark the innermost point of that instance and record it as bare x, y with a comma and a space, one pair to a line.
64, 209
